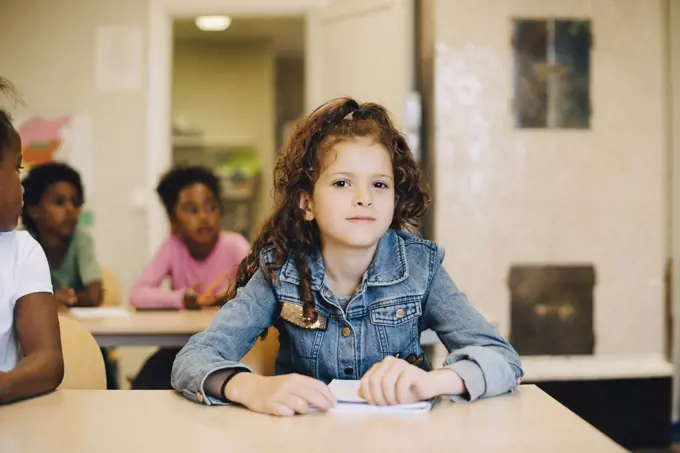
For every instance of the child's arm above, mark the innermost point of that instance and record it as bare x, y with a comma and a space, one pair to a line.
90, 272
232, 333
91, 296
487, 364
202, 367
37, 328
146, 292
42, 366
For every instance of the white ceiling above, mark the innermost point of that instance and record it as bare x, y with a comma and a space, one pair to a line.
288, 33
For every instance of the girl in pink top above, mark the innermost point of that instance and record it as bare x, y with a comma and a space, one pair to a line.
200, 259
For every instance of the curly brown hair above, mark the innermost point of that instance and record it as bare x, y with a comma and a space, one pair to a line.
297, 169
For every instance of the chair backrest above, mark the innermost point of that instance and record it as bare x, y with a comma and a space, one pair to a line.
83, 361
111, 288
262, 357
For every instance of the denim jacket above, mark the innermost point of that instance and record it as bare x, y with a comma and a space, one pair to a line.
405, 290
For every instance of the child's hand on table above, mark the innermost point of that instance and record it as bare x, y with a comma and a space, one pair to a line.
395, 381
283, 395
193, 300
65, 297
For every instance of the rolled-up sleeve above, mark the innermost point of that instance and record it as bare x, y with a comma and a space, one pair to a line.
232, 333
484, 360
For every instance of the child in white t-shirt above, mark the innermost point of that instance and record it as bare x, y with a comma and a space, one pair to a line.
28, 312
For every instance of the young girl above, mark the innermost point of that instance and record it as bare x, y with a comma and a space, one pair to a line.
27, 310
348, 289
199, 258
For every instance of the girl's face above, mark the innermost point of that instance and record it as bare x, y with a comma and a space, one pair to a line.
11, 190
197, 215
58, 210
353, 201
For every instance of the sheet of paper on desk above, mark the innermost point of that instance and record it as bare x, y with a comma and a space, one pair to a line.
99, 312
346, 392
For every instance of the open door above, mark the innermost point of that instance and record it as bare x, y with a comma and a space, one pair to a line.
363, 49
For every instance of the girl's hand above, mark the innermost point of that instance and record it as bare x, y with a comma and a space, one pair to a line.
284, 395
194, 300
191, 298
65, 297
395, 381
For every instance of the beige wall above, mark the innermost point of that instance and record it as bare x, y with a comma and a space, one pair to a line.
290, 91
227, 90
673, 28
521, 196
52, 64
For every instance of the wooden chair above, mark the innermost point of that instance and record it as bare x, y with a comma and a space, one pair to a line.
111, 287
83, 362
263, 354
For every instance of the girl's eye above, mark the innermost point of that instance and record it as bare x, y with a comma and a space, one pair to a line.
380, 185
340, 183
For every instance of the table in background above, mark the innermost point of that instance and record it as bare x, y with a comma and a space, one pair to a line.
161, 328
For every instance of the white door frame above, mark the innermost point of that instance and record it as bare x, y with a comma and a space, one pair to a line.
159, 83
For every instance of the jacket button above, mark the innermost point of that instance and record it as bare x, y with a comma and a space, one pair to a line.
400, 313
329, 294
349, 370
345, 331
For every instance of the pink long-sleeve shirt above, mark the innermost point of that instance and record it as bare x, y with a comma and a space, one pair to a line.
174, 260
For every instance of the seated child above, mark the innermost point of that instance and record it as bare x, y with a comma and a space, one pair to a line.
53, 197
337, 272
199, 258
27, 310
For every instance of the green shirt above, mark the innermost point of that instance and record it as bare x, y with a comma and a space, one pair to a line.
79, 266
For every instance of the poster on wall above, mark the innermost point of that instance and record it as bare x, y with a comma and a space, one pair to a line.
60, 138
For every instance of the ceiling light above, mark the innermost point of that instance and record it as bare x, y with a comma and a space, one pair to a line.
213, 23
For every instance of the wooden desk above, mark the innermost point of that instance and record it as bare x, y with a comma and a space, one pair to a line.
149, 421
162, 328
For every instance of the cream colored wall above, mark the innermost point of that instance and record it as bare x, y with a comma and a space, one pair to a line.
573, 196
52, 63
227, 90
673, 28
290, 91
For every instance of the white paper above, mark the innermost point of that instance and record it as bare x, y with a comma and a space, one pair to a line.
119, 58
346, 393
99, 312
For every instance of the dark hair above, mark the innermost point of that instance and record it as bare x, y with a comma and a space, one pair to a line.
39, 179
297, 169
182, 176
6, 128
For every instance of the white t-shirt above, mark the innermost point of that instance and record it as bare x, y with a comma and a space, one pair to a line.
23, 270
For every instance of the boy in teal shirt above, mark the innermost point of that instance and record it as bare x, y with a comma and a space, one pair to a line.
53, 197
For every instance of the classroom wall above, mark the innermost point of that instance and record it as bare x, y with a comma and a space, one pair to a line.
673, 28
52, 63
290, 91
227, 90
565, 196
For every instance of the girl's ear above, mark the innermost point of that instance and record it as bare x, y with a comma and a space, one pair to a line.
306, 206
